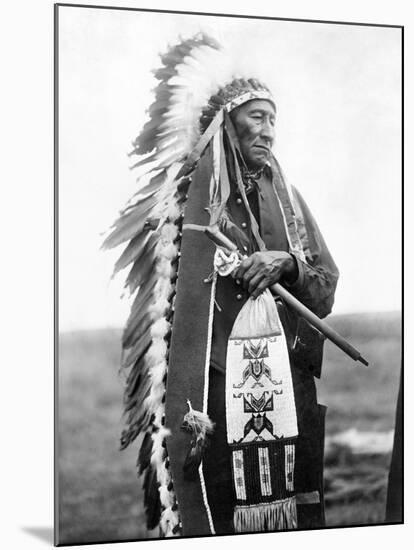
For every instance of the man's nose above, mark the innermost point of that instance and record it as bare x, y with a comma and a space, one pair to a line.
268, 131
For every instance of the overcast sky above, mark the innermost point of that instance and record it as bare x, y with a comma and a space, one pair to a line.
337, 89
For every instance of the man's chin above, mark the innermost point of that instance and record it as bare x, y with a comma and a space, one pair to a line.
258, 162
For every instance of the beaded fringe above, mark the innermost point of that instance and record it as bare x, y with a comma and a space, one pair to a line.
272, 516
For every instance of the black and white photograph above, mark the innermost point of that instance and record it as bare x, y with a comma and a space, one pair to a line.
228, 274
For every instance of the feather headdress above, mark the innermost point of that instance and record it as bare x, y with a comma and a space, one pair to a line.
196, 84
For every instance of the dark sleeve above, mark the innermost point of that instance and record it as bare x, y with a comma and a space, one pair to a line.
317, 278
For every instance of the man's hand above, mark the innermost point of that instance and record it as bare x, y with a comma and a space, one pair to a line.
263, 269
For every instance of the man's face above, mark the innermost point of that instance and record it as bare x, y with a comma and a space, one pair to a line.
254, 123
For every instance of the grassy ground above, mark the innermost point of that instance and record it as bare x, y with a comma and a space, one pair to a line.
99, 492
359, 396
364, 398
100, 497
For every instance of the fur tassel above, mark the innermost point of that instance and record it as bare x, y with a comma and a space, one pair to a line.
199, 425
197, 422
273, 516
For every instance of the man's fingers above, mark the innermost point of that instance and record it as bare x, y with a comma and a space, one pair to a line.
263, 279
262, 285
243, 267
261, 270
254, 282
251, 273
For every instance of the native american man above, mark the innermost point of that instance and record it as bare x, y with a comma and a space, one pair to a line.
221, 372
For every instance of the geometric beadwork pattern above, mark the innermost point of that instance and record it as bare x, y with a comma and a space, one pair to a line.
260, 404
238, 469
263, 472
289, 465
264, 469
